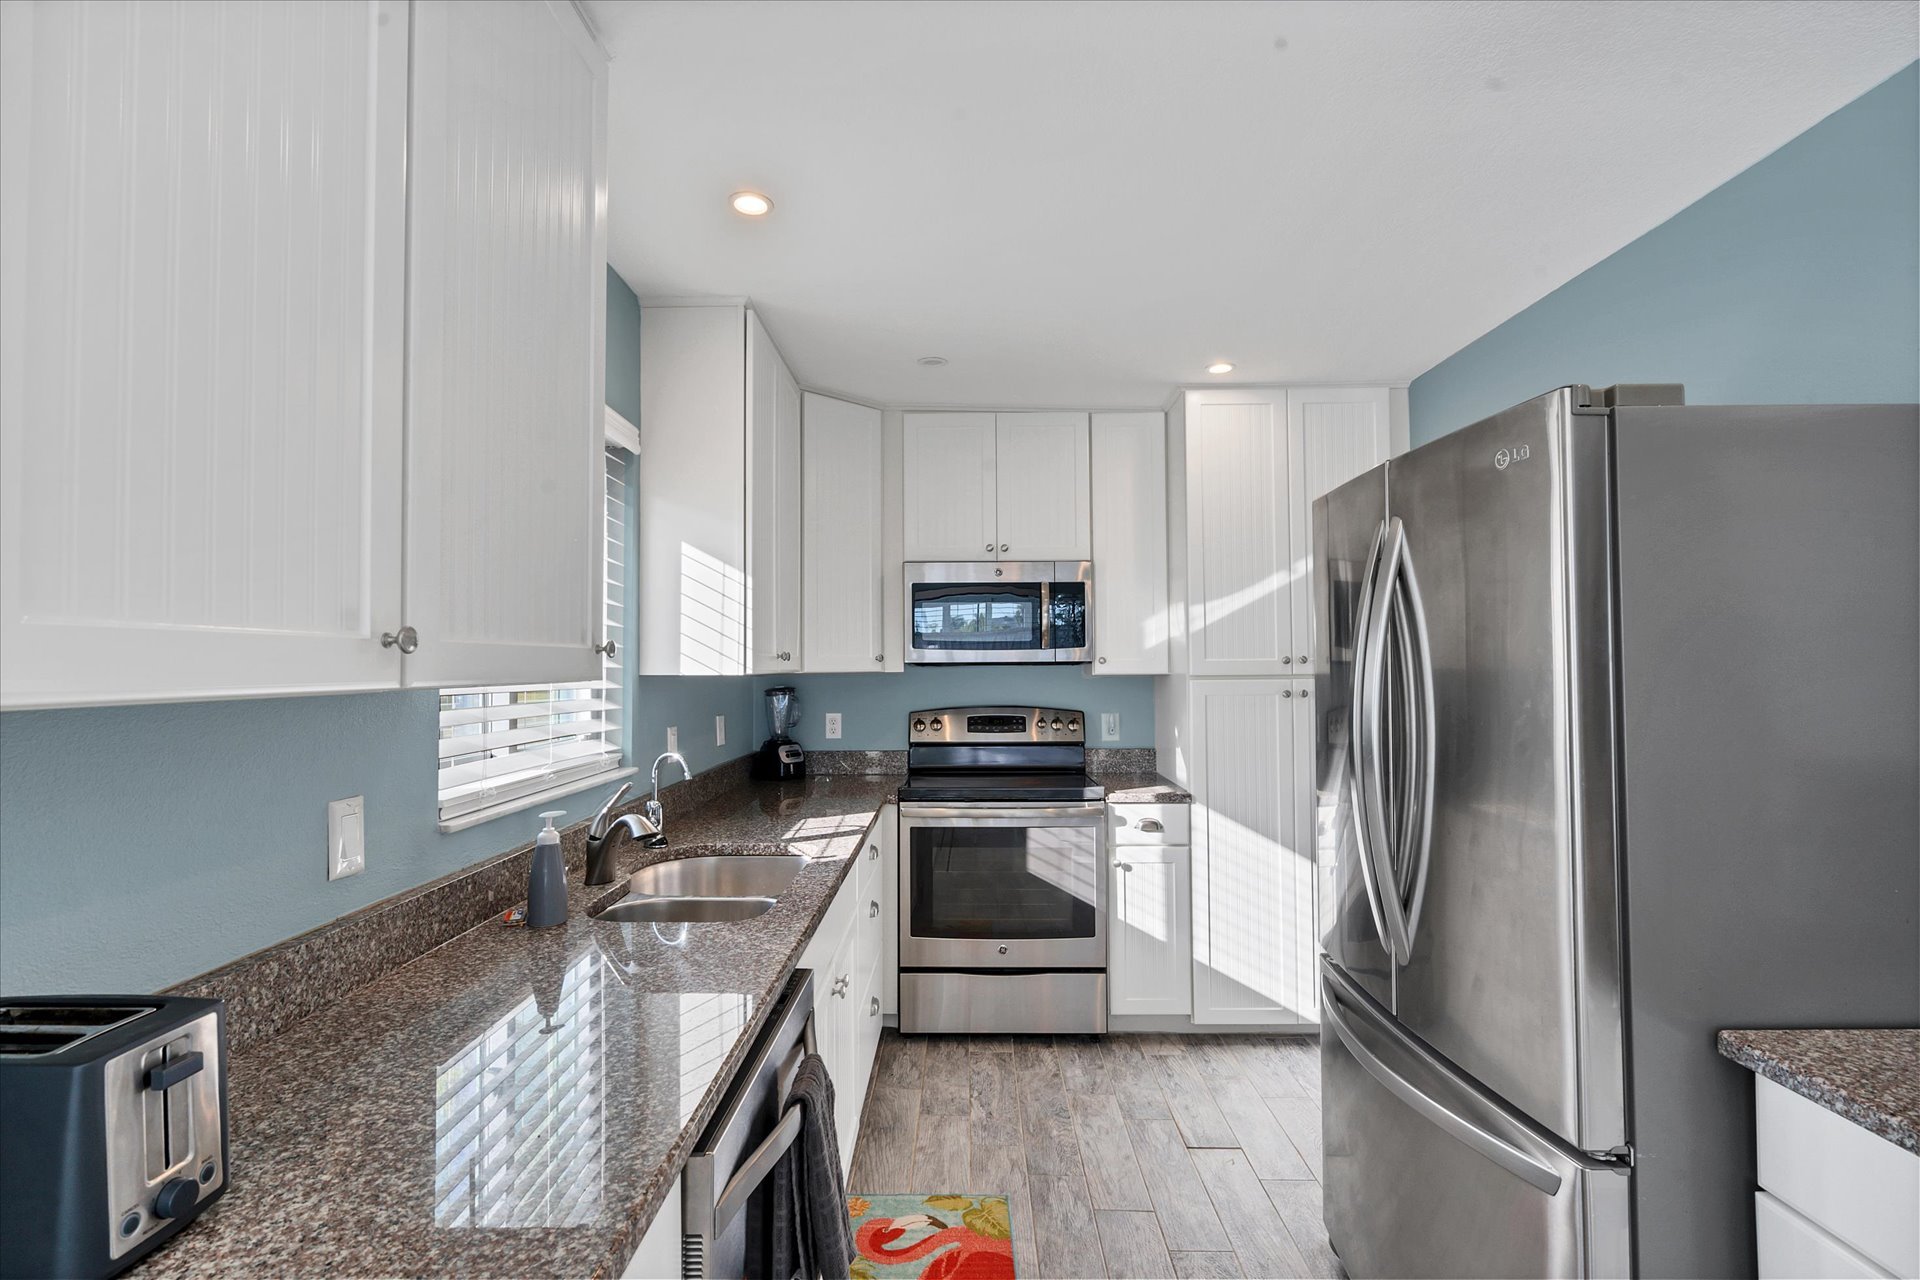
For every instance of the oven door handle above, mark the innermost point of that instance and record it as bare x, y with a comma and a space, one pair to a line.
1026, 815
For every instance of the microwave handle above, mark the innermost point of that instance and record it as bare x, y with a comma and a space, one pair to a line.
1046, 616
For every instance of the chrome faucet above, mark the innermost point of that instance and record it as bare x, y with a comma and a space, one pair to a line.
600, 833
655, 815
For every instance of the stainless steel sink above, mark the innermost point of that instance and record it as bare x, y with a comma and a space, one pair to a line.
715, 886
723, 875
683, 910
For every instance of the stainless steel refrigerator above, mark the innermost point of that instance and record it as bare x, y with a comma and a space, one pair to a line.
1618, 747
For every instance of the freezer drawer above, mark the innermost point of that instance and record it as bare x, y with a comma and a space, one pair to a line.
1427, 1175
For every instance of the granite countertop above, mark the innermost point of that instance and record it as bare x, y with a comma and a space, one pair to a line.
1141, 788
357, 1146
1870, 1077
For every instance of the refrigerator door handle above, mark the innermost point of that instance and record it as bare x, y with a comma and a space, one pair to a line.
1368, 693
1357, 718
1425, 742
1528, 1168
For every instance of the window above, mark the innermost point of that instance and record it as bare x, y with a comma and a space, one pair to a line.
507, 747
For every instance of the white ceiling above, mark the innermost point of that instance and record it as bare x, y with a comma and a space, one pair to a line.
1082, 204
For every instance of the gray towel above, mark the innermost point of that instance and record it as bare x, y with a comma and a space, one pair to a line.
812, 1235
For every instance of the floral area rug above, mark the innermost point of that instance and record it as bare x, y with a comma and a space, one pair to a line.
949, 1237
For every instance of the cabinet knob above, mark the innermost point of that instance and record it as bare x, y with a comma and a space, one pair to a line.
841, 984
873, 853
879, 657
873, 909
1103, 662
406, 640
1124, 866
1286, 660
1286, 693
873, 1006
784, 656
989, 546
609, 648
1303, 657
1003, 546
1303, 693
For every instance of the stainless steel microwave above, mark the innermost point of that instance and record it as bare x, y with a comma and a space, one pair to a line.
999, 611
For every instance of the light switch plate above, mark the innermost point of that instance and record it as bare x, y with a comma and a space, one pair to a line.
1109, 726
346, 837
719, 731
673, 737
833, 724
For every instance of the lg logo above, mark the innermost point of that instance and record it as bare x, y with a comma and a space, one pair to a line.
1507, 457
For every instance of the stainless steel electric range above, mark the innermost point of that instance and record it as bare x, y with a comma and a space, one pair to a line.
1003, 899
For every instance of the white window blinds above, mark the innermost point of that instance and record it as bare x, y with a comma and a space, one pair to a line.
505, 743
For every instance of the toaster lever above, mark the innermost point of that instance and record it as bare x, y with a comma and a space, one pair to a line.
164, 1077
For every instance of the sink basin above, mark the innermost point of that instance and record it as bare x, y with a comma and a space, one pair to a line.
683, 910
720, 875
715, 886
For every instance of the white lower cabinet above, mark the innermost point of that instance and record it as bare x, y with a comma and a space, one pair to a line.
1149, 945
1835, 1199
658, 1257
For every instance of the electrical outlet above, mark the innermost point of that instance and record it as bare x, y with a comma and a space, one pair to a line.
719, 731
346, 837
833, 724
1109, 726
673, 737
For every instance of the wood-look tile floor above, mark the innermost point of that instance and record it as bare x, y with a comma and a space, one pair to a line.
1123, 1156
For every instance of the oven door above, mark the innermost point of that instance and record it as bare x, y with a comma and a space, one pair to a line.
1004, 611
1003, 887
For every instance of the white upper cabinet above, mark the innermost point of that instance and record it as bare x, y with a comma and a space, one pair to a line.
1255, 459
997, 486
952, 493
241, 402
506, 378
844, 623
719, 495
1238, 563
1042, 508
1129, 492
773, 505
200, 349
1333, 435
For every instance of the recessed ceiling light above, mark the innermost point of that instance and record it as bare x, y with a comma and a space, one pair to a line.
931, 361
751, 203
1219, 366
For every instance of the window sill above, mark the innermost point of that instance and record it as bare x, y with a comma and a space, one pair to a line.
538, 798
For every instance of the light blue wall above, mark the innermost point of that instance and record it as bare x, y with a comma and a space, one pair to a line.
874, 708
1797, 282
143, 845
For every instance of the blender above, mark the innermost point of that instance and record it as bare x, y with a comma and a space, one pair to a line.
781, 758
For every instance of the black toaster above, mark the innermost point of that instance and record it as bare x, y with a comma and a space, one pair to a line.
113, 1128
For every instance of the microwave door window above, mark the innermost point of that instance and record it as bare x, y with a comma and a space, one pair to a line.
974, 617
1067, 607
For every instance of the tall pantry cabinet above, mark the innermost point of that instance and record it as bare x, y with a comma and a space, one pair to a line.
1235, 722
272, 427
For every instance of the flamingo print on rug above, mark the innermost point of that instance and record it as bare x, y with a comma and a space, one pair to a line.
948, 1237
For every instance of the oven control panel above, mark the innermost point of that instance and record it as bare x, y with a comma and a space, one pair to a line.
987, 725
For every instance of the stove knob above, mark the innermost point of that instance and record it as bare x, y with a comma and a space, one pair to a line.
936, 724
1055, 726
1073, 726
919, 726
176, 1198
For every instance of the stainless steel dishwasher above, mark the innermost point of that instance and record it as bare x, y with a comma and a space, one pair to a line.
727, 1201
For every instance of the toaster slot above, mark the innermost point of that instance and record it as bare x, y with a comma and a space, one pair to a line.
166, 1104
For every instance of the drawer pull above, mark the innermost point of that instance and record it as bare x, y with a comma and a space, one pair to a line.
873, 1006
873, 853
873, 909
1152, 824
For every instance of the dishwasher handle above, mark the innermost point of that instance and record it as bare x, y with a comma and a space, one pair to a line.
772, 1149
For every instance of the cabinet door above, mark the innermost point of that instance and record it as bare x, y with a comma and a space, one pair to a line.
773, 505
890, 911
200, 349
1129, 495
1333, 435
1150, 955
1253, 882
948, 511
506, 378
843, 1031
1238, 593
843, 592
1042, 482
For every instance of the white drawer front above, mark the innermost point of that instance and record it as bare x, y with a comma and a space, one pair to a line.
1791, 1248
1148, 823
1856, 1186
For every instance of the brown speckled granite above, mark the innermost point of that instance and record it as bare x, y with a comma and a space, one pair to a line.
1122, 760
345, 1156
840, 764
273, 988
1872, 1077
1141, 788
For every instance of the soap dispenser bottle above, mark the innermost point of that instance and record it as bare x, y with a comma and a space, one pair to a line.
547, 884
